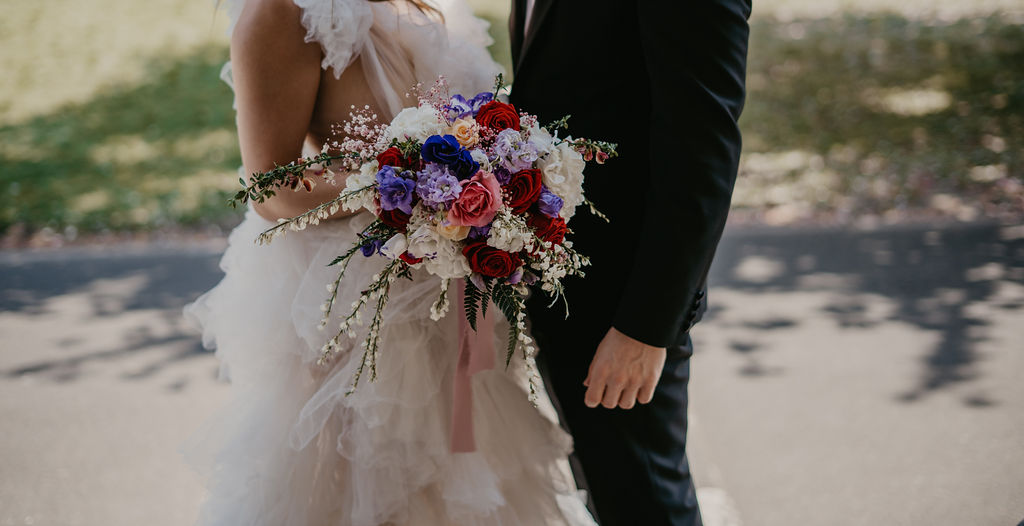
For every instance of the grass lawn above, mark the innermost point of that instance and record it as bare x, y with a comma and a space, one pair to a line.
112, 116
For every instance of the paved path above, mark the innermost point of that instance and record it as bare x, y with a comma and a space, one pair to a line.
841, 378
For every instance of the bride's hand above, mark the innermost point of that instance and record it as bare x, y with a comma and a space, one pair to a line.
623, 372
287, 203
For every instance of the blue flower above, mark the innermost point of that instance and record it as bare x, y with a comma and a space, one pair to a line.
465, 166
395, 191
446, 150
441, 149
372, 247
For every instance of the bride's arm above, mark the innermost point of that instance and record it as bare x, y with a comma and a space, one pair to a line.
276, 75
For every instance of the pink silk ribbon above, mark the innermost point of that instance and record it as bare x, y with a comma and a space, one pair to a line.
476, 353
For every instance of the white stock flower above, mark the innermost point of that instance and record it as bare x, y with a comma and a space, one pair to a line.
509, 232
422, 241
415, 123
541, 139
394, 247
366, 176
563, 175
481, 158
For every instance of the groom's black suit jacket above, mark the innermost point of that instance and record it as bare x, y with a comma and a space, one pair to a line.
665, 80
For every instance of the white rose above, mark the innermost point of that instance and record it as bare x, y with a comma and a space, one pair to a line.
481, 158
394, 247
562, 172
366, 176
415, 123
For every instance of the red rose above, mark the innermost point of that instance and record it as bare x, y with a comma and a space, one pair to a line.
391, 157
489, 261
551, 229
407, 257
394, 218
498, 116
522, 190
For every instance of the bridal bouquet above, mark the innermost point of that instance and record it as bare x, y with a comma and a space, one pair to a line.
463, 188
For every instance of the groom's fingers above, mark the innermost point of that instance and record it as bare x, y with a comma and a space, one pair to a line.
647, 391
612, 393
595, 390
629, 395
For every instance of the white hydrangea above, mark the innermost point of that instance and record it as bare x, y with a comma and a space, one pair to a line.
509, 232
441, 256
415, 123
421, 232
563, 175
448, 261
366, 176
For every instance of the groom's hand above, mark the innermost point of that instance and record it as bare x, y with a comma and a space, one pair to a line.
623, 372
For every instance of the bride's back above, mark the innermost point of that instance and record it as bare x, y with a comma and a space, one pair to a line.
298, 67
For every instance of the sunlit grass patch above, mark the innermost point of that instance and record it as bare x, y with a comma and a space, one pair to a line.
886, 110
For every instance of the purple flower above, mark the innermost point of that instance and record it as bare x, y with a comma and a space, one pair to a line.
479, 100
502, 175
372, 247
479, 232
458, 107
549, 204
516, 276
395, 191
437, 187
513, 152
524, 156
478, 281
505, 142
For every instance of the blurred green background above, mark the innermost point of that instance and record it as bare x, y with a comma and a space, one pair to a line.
113, 118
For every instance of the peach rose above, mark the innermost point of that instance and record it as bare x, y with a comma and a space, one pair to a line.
466, 132
453, 232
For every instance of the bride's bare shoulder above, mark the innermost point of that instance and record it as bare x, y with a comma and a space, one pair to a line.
268, 20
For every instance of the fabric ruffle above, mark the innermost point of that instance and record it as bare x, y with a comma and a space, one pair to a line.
292, 448
339, 26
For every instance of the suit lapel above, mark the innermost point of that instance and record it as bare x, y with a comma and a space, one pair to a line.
540, 10
515, 30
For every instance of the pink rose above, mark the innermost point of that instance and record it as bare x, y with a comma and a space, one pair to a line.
478, 203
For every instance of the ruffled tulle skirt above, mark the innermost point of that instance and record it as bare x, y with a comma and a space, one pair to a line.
291, 448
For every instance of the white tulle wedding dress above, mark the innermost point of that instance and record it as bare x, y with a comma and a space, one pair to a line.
291, 448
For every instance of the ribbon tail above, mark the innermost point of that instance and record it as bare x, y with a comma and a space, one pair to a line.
476, 353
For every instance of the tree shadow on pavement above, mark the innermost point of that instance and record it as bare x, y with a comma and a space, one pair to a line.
149, 289
933, 275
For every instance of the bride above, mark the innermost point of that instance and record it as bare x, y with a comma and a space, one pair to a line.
291, 448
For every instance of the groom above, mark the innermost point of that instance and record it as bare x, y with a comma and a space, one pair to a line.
665, 80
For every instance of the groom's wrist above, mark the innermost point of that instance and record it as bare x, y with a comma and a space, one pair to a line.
645, 335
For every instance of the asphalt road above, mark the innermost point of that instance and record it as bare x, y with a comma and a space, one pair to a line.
840, 378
